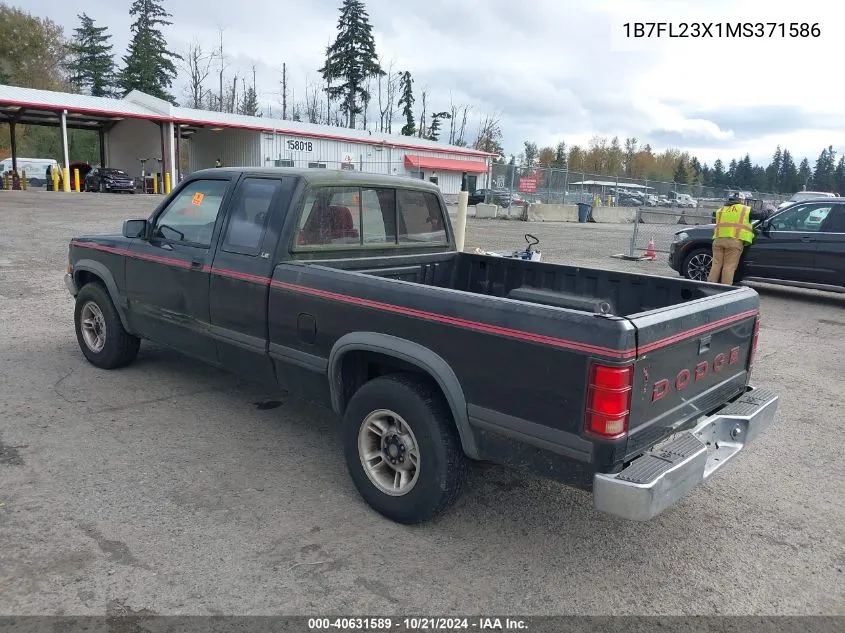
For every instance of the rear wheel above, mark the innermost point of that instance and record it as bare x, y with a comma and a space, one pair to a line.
99, 332
402, 448
697, 264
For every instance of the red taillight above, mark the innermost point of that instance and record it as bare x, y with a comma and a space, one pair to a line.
609, 400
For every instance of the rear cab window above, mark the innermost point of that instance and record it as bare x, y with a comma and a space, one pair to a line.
369, 217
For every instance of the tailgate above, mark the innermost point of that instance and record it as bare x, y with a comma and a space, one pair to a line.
691, 359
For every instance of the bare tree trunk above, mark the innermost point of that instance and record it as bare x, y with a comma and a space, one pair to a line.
462, 130
422, 115
222, 68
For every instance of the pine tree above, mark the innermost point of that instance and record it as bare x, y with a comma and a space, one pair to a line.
824, 173
148, 65
805, 175
530, 153
773, 172
630, 152
681, 172
839, 176
91, 65
718, 176
351, 59
789, 178
560, 160
406, 102
730, 175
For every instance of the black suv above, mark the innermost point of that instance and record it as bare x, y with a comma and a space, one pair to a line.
800, 245
106, 179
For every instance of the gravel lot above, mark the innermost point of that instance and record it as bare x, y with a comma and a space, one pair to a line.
173, 488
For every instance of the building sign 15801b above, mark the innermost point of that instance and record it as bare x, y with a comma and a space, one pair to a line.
301, 146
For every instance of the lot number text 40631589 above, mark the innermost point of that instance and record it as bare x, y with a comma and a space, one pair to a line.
301, 146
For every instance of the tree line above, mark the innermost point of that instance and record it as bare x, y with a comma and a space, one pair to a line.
354, 88
610, 157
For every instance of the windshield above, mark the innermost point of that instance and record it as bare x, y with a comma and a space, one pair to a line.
115, 172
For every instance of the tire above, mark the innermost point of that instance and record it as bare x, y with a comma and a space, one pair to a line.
697, 263
116, 347
419, 413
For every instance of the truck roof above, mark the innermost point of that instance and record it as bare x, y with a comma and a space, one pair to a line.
329, 176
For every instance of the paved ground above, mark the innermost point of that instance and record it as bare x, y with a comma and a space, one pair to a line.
173, 488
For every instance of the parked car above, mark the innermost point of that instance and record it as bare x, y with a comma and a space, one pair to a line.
801, 196
500, 197
800, 245
429, 356
35, 169
109, 179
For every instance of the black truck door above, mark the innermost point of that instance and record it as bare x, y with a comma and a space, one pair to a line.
241, 272
830, 254
167, 276
787, 250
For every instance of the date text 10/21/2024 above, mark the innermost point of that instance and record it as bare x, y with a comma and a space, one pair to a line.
363, 625
701, 30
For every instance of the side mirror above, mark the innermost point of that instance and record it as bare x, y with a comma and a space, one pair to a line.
135, 229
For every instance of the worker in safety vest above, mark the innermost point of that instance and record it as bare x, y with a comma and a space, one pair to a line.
733, 231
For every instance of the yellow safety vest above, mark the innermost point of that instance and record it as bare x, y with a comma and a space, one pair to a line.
734, 221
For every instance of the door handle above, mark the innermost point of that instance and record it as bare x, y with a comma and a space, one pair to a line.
806, 239
196, 264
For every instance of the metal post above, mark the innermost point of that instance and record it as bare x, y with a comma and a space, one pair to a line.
634, 234
178, 156
171, 134
162, 162
102, 134
66, 174
13, 139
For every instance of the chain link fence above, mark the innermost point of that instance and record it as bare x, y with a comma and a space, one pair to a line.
660, 225
518, 184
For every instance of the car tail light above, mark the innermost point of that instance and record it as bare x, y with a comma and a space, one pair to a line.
609, 400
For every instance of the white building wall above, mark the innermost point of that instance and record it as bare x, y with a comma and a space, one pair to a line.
236, 148
299, 151
130, 140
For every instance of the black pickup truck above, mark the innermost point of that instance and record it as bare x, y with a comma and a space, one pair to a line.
348, 289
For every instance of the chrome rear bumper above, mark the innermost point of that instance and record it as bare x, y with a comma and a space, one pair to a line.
658, 479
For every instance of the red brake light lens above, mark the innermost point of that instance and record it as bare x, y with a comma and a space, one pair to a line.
609, 400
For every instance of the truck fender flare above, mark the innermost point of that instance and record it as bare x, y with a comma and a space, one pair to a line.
98, 269
414, 354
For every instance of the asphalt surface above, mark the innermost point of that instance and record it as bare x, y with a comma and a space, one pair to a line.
172, 488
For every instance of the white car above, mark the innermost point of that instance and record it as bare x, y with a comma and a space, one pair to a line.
807, 195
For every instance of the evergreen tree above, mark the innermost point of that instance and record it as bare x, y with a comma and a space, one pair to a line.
696, 169
560, 156
681, 172
406, 102
530, 153
148, 65
630, 152
434, 129
805, 175
839, 177
352, 60
824, 178
718, 177
773, 172
789, 178
91, 65
730, 175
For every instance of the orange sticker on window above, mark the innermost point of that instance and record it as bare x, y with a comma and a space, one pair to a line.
197, 199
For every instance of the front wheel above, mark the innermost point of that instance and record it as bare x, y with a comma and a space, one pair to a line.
697, 264
99, 332
402, 449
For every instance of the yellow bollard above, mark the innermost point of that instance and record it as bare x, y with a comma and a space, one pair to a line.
76, 180
55, 179
155, 183
167, 182
23, 180
66, 179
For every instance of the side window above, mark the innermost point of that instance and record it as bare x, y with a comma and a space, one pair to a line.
378, 216
331, 216
801, 218
835, 221
420, 218
190, 217
250, 211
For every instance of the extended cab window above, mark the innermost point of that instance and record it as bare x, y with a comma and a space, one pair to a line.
190, 217
420, 218
331, 217
250, 211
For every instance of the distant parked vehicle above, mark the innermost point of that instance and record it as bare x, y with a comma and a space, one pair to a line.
108, 179
499, 197
807, 195
35, 169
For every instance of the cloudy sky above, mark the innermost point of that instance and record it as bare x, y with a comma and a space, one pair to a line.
555, 69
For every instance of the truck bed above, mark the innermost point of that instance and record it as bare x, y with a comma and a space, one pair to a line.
478, 312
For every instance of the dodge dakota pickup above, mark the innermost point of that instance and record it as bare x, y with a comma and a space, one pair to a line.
348, 289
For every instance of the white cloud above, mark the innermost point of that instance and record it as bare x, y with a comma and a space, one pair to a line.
558, 69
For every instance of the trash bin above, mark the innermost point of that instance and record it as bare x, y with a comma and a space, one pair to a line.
584, 211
